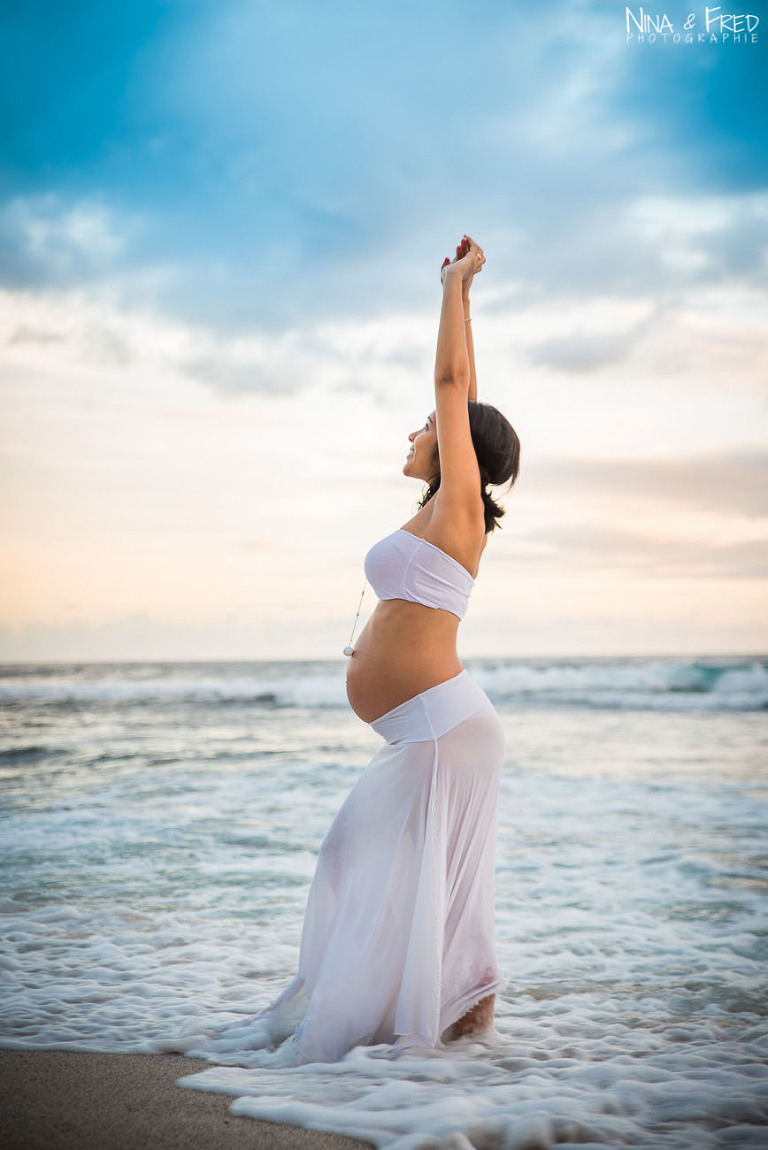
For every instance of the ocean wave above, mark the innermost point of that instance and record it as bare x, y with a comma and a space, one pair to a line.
652, 683
629, 683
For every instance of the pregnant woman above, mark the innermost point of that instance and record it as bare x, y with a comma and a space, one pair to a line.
398, 939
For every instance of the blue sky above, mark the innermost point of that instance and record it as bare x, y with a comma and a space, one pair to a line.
250, 200
297, 142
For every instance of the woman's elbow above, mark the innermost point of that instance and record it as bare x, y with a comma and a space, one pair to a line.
452, 377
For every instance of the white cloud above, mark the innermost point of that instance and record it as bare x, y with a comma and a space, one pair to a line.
47, 239
707, 235
145, 454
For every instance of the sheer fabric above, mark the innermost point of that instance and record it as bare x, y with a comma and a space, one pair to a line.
398, 938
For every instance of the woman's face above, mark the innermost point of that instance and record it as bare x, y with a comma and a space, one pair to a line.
420, 461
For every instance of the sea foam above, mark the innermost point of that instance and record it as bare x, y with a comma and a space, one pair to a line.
158, 845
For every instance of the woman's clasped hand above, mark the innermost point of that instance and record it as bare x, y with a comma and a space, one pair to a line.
467, 262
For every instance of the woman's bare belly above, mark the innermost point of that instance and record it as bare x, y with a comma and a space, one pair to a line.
404, 649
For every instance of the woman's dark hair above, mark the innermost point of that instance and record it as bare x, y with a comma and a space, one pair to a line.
498, 456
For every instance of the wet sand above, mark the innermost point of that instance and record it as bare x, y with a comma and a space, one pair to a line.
67, 1100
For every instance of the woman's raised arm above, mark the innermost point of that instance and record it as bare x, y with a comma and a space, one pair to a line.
459, 472
472, 394
461, 250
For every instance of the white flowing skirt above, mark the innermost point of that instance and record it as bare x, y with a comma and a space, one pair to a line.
398, 938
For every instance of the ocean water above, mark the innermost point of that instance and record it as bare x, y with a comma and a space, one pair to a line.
160, 824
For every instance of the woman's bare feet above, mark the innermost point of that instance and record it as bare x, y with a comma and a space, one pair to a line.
479, 1018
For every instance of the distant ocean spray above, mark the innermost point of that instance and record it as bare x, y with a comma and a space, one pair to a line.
710, 683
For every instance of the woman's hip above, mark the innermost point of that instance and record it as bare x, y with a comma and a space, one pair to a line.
434, 712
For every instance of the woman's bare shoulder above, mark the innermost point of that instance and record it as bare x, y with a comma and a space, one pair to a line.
460, 536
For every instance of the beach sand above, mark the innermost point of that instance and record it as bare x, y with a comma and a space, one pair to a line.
67, 1100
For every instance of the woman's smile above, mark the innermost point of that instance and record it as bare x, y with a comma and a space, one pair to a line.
420, 460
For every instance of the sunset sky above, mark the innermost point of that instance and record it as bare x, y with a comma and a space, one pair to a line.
221, 228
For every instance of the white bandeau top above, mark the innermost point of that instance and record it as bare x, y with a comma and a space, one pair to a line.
404, 566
